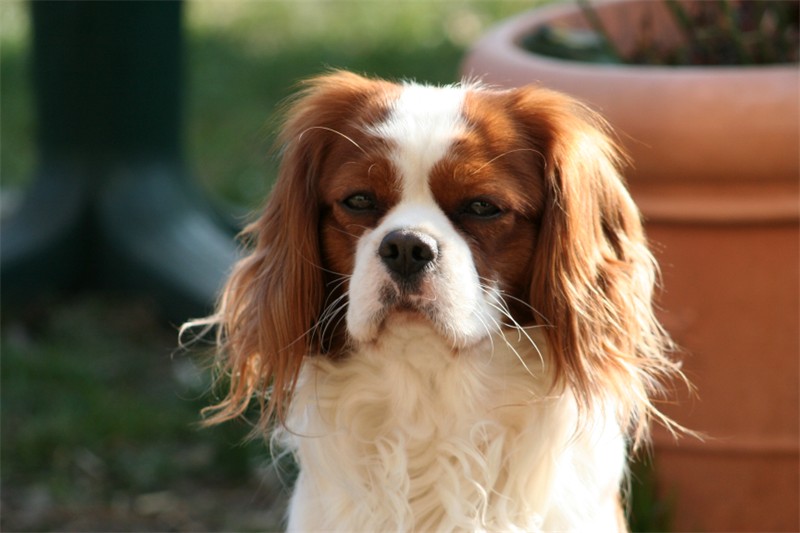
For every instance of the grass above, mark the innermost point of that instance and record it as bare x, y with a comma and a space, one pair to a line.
16, 97
99, 415
99, 410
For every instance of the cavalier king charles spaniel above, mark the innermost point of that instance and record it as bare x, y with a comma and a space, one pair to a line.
445, 311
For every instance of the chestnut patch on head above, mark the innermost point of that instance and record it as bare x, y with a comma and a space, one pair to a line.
491, 187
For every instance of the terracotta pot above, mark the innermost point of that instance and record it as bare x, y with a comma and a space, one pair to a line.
717, 123
716, 166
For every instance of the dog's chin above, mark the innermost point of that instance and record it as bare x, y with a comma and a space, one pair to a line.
392, 318
414, 322
404, 315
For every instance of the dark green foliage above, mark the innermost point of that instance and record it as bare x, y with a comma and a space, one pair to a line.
715, 33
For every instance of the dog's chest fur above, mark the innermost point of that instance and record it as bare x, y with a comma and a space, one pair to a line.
406, 435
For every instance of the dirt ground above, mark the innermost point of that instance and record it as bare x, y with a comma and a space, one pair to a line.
181, 508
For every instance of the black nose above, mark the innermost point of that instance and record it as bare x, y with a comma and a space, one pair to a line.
407, 252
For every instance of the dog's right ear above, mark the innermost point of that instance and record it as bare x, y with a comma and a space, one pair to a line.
593, 277
270, 305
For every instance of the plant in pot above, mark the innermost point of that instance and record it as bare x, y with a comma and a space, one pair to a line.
704, 97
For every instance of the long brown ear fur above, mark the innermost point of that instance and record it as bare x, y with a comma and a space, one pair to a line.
274, 296
594, 275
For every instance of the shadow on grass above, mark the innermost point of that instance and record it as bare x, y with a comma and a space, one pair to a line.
99, 425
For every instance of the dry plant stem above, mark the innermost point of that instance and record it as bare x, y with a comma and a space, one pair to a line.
685, 23
731, 29
597, 25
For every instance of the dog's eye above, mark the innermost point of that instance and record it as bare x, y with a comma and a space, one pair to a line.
482, 209
360, 202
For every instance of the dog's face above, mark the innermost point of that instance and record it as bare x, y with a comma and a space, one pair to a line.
467, 209
430, 213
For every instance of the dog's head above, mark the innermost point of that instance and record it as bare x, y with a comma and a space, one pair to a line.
468, 209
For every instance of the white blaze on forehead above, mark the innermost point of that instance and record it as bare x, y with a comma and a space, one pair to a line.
422, 125
420, 129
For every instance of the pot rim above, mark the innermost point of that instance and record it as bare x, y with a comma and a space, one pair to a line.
718, 204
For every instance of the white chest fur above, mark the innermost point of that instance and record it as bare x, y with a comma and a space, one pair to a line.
404, 435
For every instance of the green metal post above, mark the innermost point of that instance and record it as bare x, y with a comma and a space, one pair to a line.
112, 205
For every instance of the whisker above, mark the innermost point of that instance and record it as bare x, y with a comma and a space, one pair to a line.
323, 269
505, 154
342, 317
335, 284
329, 324
330, 308
341, 230
509, 296
319, 328
329, 313
325, 128
519, 338
496, 302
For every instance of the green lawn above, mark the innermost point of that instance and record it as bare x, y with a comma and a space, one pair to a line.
99, 412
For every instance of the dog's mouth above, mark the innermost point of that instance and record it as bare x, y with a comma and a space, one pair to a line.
440, 302
408, 306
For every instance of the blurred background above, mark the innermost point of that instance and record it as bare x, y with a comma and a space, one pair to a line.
135, 139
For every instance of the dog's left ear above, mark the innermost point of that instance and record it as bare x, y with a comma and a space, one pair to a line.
273, 299
593, 275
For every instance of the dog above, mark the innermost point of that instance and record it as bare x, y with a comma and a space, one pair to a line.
445, 311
